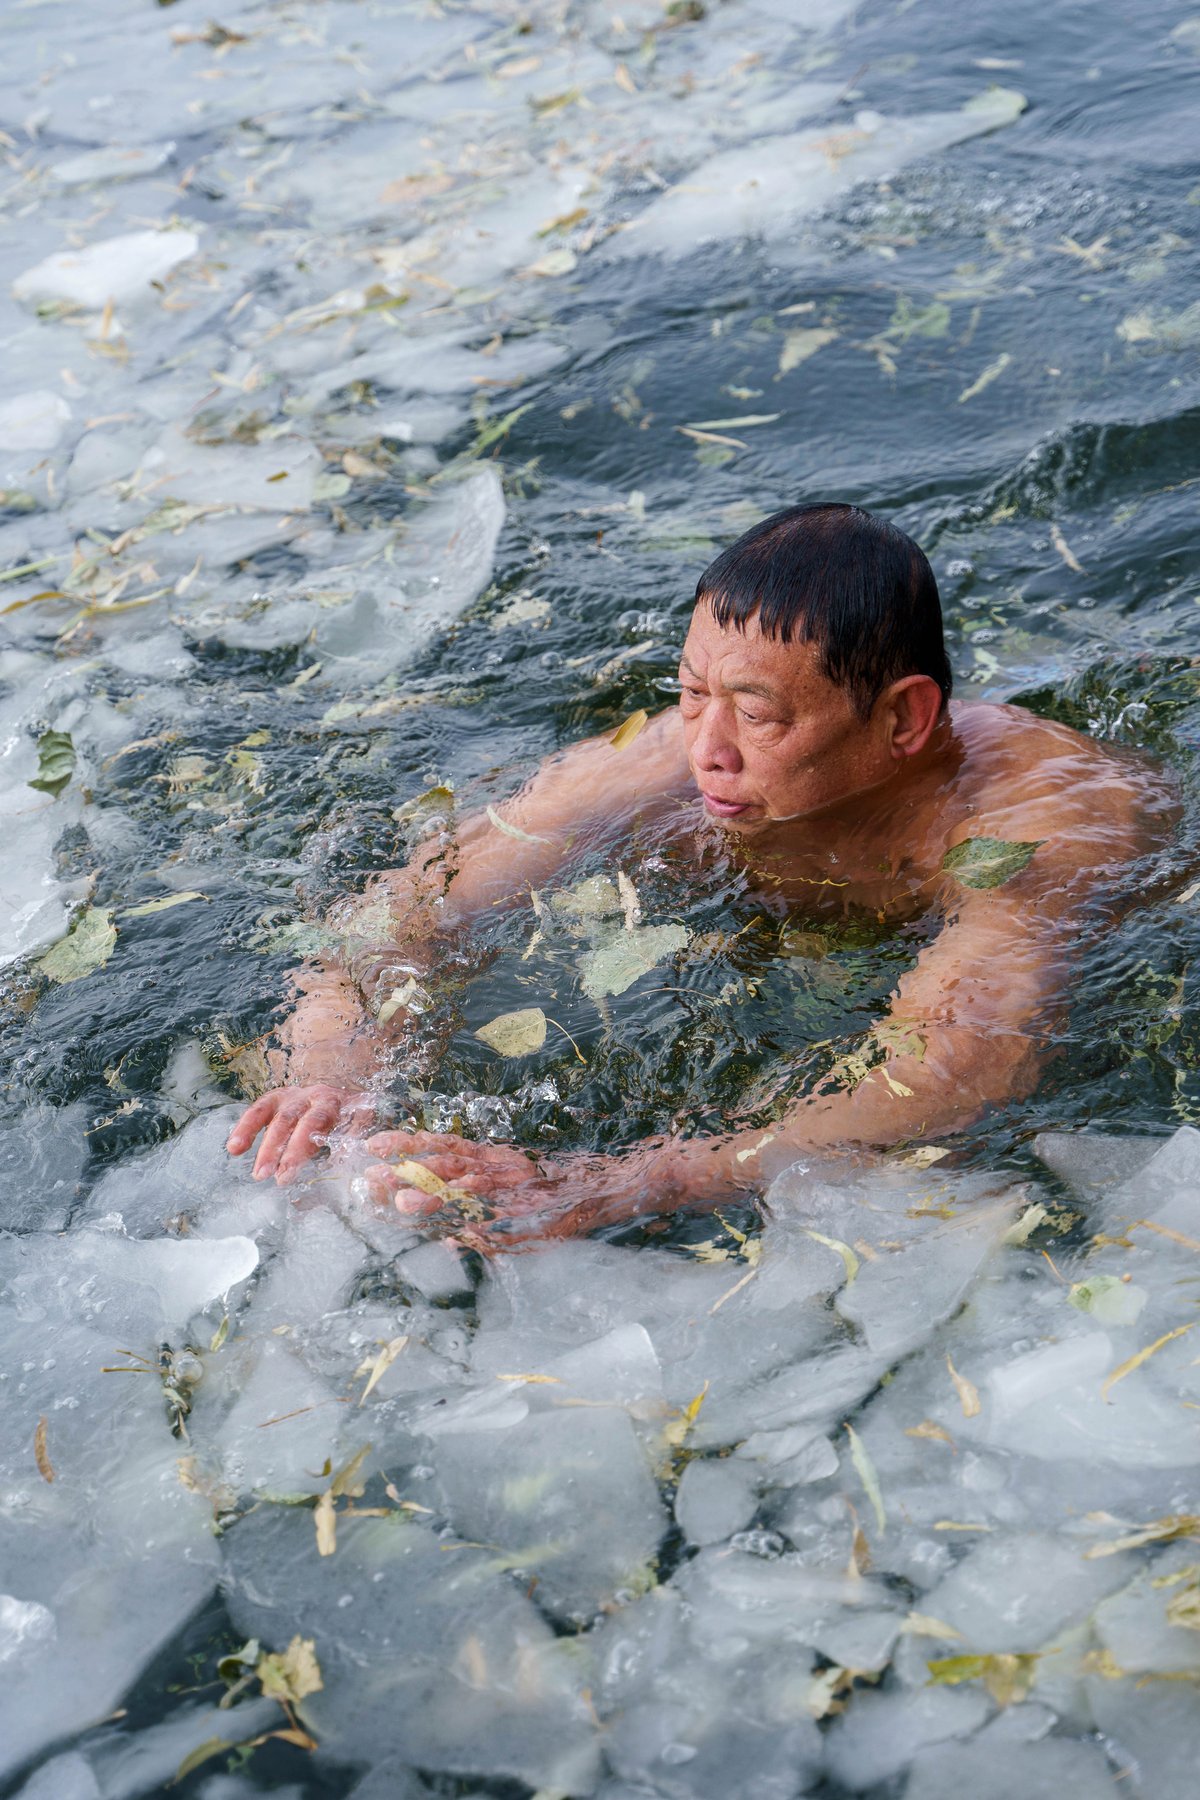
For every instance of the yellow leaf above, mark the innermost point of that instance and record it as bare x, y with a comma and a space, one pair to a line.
201, 1754
1006, 1677
1065, 551
624, 79
844, 1251
515, 1033
628, 729
383, 1363
1159, 1531
346, 1480
968, 1393
1135, 1361
927, 1429
537, 1380
164, 904
325, 1520
924, 1625
416, 1175
563, 222
866, 1474
292, 1674
798, 346
960, 1525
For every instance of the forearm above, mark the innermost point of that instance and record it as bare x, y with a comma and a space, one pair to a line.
329, 1035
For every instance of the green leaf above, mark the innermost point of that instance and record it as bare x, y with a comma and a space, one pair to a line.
163, 904
1108, 1298
56, 762
86, 947
1006, 1677
866, 1474
616, 964
210, 1747
907, 320
988, 862
515, 1033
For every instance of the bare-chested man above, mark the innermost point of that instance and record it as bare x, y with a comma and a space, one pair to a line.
815, 729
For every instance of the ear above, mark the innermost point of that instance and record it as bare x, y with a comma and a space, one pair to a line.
909, 710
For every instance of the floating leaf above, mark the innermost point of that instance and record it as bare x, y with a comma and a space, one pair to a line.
515, 1033
1108, 1298
798, 346
1065, 551
732, 424
628, 729
1135, 1362
40, 1454
614, 966
201, 1754
554, 263
988, 862
513, 831
968, 1393
844, 1251
164, 904
907, 320
416, 1175
924, 1625
56, 762
292, 1674
928, 1429
86, 947
866, 1474
631, 906
498, 429
986, 378
1006, 1677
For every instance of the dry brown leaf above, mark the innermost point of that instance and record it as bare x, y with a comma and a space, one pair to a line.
325, 1520
968, 1393
1064, 550
41, 1455
1140, 1356
927, 1429
629, 728
383, 1363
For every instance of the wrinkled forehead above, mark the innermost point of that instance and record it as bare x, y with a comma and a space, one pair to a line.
728, 657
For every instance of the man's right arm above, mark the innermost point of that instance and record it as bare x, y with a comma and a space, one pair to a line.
351, 1006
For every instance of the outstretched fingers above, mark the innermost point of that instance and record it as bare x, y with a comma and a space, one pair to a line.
251, 1123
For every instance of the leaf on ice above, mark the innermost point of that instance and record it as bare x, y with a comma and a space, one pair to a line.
865, 1469
1141, 1356
614, 966
928, 1429
86, 947
628, 729
919, 1624
325, 1521
554, 263
968, 1393
844, 1251
988, 862
1006, 1677
1022, 1229
346, 1479
1108, 1298
40, 1453
798, 346
515, 1033
513, 831
163, 904
291, 1674
56, 762
733, 424
1159, 1531
382, 1363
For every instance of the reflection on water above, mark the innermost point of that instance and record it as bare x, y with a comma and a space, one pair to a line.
377, 379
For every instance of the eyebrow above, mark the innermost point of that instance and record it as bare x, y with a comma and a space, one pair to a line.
738, 687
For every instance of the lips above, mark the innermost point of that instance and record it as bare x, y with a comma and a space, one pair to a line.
725, 809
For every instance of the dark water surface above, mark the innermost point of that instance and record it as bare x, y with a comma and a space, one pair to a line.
448, 521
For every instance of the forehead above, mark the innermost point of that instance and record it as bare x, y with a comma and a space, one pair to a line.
728, 658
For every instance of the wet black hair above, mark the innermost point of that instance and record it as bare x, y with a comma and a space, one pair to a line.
837, 577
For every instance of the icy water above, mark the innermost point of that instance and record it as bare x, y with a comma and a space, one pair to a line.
376, 380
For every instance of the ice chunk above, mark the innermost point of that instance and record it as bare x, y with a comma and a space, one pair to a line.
428, 1650
1137, 1627
309, 1276
899, 1298
117, 162
277, 477
715, 1499
1091, 1160
1041, 1771
119, 269
773, 183
1012, 1593
567, 1495
66, 1777
1155, 1727
23, 1625
144, 1762
282, 1429
33, 421
435, 1269
879, 1734
42, 1155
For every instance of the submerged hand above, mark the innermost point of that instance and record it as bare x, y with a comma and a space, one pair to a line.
297, 1122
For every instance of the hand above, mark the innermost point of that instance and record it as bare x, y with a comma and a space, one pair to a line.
487, 1197
297, 1121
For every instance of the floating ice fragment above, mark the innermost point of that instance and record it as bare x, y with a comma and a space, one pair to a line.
1041, 1771
33, 421
119, 269
115, 163
715, 1499
23, 1623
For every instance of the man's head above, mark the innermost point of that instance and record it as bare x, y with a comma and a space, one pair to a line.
814, 666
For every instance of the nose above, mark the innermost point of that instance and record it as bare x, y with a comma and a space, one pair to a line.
713, 744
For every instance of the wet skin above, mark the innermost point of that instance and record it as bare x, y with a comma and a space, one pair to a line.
830, 811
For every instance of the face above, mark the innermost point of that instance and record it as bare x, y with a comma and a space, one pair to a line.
768, 736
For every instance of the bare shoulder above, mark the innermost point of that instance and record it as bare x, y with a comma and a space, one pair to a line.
1026, 779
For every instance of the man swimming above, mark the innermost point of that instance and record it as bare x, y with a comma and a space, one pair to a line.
815, 731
